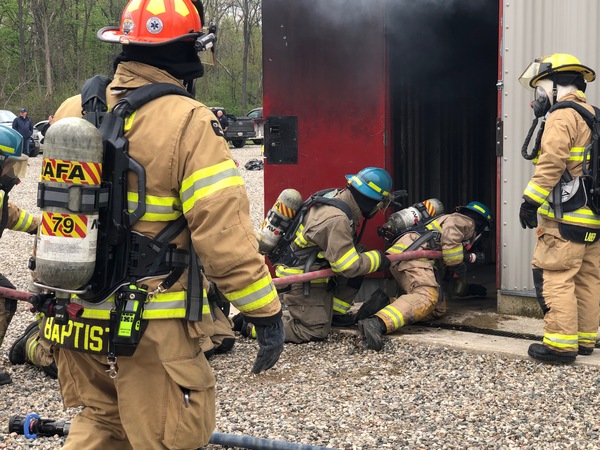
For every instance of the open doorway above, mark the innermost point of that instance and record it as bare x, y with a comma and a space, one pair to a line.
442, 59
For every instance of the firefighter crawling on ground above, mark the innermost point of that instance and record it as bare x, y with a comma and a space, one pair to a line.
326, 237
427, 282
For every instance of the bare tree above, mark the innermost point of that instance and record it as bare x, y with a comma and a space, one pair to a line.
250, 14
44, 15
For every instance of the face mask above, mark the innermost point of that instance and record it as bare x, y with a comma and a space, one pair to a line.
541, 102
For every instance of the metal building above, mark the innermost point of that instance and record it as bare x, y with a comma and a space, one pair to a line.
426, 89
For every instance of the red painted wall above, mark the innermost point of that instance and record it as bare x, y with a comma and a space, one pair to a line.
324, 62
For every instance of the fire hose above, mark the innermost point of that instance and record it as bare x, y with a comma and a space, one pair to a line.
33, 426
324, 273
46, 303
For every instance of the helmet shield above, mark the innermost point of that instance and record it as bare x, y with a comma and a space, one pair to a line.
12, 160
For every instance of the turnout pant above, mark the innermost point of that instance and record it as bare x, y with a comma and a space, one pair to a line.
308, 318
417, 279
144, 406
567, 282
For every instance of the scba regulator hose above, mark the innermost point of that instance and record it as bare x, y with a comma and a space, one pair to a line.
33, 426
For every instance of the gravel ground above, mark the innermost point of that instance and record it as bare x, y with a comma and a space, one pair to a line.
338, 394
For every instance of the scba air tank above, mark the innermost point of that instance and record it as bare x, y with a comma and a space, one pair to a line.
414, 215
277, 219
67, 238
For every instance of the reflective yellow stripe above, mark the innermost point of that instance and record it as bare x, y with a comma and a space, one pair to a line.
31, 350
165, 305
207, 181
341, 306
398, 247
453, 254
24, 222
581, 216
536, 193
576, 154
587, 338
374, 258
394, 315
282, 271
300, 241
434, 225
255, 296
128, 122
349, 258
562, 341
158, 209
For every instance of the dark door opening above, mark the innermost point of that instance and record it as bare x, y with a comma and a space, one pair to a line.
442, 59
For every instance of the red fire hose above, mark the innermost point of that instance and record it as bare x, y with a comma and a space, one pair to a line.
17, 295
291, 279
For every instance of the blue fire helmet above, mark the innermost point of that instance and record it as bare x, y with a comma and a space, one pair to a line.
13, 162
372, 182
480, 209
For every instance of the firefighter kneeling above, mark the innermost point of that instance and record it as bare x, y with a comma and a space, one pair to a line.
425, 299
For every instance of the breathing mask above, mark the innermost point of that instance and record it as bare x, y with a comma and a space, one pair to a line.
541, 102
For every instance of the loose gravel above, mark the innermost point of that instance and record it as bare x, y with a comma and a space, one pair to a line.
338, 394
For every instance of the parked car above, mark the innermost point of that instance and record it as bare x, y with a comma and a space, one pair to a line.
7, 117
240, 128
257, 115
41, 127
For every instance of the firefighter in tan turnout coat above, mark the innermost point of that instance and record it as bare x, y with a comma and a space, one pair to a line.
420, 278
163, 396
567, 252
328, 235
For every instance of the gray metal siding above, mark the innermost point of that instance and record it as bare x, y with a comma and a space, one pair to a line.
533, 28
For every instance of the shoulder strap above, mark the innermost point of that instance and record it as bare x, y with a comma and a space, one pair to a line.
142, 95
93, 99
591, 119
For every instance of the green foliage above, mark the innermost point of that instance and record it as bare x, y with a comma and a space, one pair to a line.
66, 30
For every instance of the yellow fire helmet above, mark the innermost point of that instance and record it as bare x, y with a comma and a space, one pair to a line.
556, 63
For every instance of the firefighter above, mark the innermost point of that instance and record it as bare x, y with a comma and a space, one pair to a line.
327, 239
567, 252
454, 234
13, 164
163, 396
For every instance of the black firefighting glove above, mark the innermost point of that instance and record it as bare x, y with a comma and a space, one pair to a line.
270, 342
460, 270
528, 215
385, 262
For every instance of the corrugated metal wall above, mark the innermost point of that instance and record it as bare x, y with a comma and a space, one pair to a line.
534, 28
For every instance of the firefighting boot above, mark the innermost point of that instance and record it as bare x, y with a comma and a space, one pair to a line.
546, 354
376, 302
238, 322
225, 346
248, 330
5, 378
343, 320
51, 370
585, 351
372, 330
18, 351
